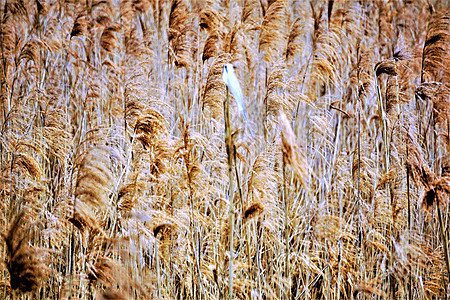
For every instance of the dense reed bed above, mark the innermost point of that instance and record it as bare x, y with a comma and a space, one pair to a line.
128, 171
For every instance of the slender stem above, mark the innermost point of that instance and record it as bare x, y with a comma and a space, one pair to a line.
250, 273
238, 181
158, 271
247, 231
258, 239
445, 244
286, 230
408, 195
229, 143
192, 222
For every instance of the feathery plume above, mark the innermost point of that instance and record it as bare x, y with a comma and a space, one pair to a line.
293, 44
25, 265
435, 55
215, 88
291, 152
253, 211
274, 31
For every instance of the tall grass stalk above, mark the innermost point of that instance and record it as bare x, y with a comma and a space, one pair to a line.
286, 232
229, 146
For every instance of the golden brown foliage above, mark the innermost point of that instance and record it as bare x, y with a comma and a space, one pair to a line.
140, 180
435, 55
274, 31
25, 264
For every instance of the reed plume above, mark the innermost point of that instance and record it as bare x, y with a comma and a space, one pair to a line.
435, 54
215, 89
25, 263
274, 31
294, 44
93, 185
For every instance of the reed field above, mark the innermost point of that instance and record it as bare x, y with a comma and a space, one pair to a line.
128, 170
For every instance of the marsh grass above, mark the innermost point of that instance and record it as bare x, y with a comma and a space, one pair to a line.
127, 171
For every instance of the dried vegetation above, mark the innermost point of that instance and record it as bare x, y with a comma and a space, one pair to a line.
127, 171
